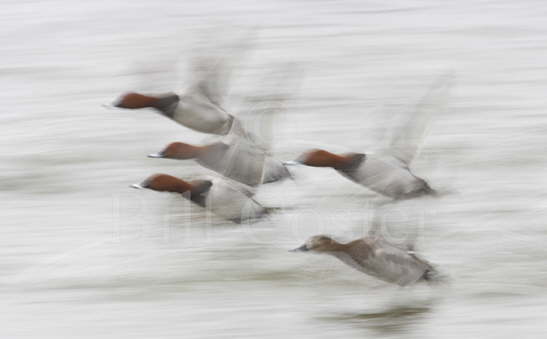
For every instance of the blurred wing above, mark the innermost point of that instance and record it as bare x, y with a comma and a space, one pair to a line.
376, 223
241, 160
211, 66
277, 88
245, 160
237, 186
153, 76
396, 264
378, 227
406, 143
209, 78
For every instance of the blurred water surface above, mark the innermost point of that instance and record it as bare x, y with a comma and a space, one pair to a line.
82, 255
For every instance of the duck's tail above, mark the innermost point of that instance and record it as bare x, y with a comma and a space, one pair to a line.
431, 274
434, 277
271, 210
428, 190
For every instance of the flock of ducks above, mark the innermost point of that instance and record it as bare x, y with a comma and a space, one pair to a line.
244, 164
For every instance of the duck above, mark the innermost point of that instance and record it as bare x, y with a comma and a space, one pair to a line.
376, 257
225, 199
235, 158
388, 171
382, 173
199, 107
193, 110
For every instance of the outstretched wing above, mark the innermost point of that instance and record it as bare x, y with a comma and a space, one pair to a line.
379, 229
376, 222
406, 142
209, 77
154, 75
247, 152
396, 265
270, 98
209, 70
212, 65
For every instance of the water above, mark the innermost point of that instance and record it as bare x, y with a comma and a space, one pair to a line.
82, 255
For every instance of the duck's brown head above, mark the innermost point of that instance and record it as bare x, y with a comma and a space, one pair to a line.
134, 100
164, 183
178, 150
319, 243
169, 183
322, 158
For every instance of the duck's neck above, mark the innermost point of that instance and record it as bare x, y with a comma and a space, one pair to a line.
335, 246
196, 151
214, 150
198, 191
166, 104
181, 186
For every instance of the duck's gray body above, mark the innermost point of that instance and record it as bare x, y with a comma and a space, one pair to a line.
386, 175
378, 258
230, 201
197, 112
242, 160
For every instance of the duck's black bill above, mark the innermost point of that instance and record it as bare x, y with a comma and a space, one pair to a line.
302, 248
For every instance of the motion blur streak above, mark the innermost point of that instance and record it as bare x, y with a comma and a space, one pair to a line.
84, 256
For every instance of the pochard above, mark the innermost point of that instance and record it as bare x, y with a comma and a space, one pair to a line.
388, 171
193, 110
199, 107
236, 158
376, 257
225, 199
384, 174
